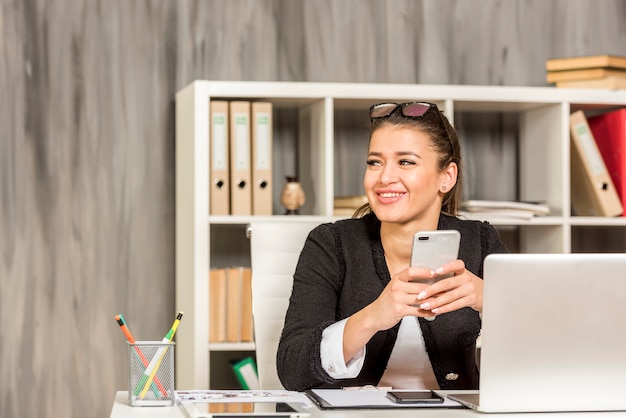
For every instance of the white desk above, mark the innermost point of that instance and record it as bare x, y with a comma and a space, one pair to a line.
121, 409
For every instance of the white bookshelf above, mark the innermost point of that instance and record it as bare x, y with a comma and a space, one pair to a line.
543, 137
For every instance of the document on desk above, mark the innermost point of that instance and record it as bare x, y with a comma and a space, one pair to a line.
366, 399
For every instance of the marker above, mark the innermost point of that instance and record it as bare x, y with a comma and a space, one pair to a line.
120, 320
152, 368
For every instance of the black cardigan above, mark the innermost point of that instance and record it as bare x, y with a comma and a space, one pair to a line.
342, 269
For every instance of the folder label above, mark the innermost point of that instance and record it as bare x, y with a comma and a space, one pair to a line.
219, 151
240, 159
596, 164
219, 179
263, 146
242, 142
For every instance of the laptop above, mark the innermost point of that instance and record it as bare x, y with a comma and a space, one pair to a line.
553, 334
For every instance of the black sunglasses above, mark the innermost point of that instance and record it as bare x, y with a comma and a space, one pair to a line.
414, 110
408, 109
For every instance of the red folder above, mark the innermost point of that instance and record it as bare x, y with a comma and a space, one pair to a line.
609, 130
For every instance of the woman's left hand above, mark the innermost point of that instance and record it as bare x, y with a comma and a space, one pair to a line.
462, 289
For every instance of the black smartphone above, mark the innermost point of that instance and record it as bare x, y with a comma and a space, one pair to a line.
414, 396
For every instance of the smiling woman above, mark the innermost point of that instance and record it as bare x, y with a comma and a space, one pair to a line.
354, 290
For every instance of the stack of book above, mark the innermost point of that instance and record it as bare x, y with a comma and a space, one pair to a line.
502, 210
347, 205
230, 305
594, 71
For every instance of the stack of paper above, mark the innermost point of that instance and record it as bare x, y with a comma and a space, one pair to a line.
502, 209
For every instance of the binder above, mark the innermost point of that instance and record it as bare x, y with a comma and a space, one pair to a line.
609, 131
593, 192
217, 305
262, 158
219, 182
246, 372
246, 327
240, 169
234, 281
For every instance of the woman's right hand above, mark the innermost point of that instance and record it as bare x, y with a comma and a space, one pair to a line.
397, 300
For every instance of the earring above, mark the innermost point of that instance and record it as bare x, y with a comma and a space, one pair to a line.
444, 188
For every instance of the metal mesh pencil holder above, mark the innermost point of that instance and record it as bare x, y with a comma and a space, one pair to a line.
151, 373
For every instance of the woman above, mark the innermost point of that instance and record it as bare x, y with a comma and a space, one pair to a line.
355, 315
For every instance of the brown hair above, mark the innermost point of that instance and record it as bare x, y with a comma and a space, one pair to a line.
443, 139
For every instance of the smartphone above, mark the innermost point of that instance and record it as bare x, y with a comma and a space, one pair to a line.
433, 249
414, 396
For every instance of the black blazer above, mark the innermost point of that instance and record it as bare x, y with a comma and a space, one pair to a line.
342, 269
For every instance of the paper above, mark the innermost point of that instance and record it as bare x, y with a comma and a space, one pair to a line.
284, 396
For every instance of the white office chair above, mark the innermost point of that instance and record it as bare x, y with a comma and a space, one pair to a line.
275, 248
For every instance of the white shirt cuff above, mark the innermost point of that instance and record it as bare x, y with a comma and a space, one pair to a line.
331, 353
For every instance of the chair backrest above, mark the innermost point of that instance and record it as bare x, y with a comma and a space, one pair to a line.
275, 248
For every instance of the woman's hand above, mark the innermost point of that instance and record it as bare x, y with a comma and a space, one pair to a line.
400, 298
462, 289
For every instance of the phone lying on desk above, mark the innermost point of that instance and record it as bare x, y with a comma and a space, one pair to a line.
414, 396
433, 249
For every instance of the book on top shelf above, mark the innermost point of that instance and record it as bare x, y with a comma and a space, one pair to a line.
590, 61
612, 83
584, 74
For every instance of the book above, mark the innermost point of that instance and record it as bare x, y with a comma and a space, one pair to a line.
593, 192
609, 131
246, 327
217, 305
584, 74
238, 297
350, 201
240, 168
219, 176
347, 205
234, 280
591, 61
612, 83
262, 158
246, 373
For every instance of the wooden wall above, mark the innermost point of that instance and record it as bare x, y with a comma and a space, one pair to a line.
87, 143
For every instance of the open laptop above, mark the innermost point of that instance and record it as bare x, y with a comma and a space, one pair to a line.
553, 334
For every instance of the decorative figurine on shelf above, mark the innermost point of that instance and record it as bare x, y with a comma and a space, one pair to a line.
292, 196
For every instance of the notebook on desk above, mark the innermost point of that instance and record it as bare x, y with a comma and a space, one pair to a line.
554, 334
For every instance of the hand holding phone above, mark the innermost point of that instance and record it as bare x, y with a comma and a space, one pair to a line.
414, 396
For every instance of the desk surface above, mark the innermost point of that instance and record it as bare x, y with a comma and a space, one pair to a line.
122, 409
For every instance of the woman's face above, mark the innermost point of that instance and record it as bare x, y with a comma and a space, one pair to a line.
402, 181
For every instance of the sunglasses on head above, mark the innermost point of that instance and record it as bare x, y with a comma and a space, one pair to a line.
408, 109
413, 110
